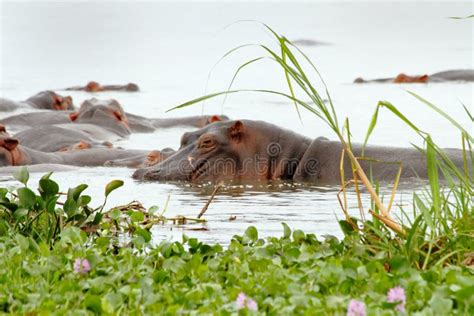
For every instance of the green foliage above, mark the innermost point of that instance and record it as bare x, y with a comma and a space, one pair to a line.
42, 216
292, 275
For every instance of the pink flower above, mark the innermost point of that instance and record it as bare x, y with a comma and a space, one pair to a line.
243, 301
356, 308
397, 295
82, 266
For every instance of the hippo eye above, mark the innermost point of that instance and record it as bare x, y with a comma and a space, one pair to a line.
206, 143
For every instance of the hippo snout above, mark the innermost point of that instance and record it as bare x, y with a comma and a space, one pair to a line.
139, 173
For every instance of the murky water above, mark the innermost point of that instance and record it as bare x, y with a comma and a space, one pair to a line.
168, 49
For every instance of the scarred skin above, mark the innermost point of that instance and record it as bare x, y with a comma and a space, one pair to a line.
46, 100
466, 75
247, 151
142, 161
14, 154
51, 138
93, 86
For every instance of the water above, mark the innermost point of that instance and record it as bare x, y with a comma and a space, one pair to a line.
169, 49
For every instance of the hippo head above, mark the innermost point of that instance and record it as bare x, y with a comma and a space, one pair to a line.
226, 150
108, 114
132, 87
10, 155
50, 100
402, 78
93, 86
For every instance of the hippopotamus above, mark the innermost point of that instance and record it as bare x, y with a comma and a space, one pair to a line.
443, 76
12, 153
246, 150
93, 86
101, 120
108, 115
142, 161
51, 138
45, 100
140, 124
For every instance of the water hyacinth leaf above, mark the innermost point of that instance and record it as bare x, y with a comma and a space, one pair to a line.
20, 214
22, 175
145, 234
93, 303
346, 227
84, 200
252, 233
47, 176
137, 216
48, 187
112, 185
153, 209
51, 204
74, 193
70, 207
3, 193
115, 214
286, 230
27, 197
298, 235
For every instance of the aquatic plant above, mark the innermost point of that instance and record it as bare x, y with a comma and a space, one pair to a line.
292, 274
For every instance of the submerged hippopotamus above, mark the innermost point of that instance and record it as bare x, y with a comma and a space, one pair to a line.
51, 138
101, 120
46, 100
443, 76
14, 154
93, 86
110, 117
248, 150
142, 161
140, 124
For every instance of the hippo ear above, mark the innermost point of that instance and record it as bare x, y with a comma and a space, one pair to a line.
214, 118
10, 143
236, 131
73, 116
424, 78
3, 128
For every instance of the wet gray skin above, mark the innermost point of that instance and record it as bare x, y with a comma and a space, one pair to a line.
140, 124
14, 154
101, 119
55, 138
96, 87
247, 151
461, 75
232, 150
110, 117
46, 100
142, 161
